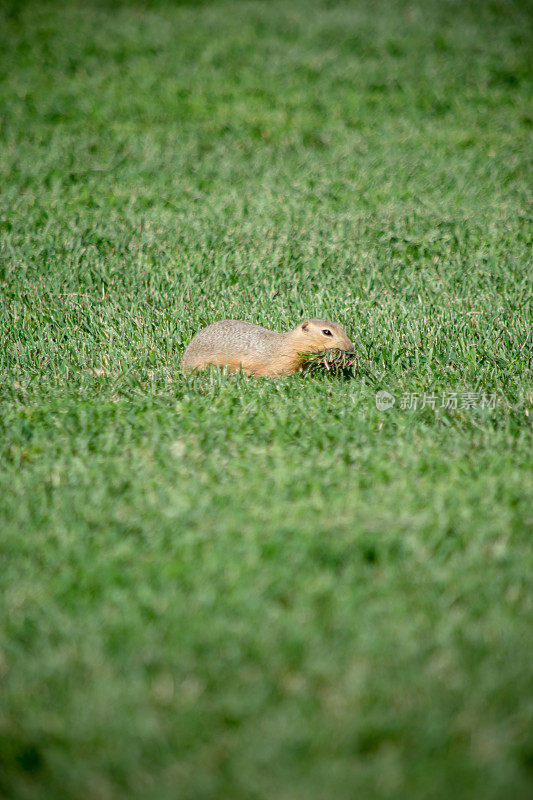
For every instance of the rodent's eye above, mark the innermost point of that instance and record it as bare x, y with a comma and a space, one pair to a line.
327, 332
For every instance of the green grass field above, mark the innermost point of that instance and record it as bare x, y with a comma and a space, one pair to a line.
220, 588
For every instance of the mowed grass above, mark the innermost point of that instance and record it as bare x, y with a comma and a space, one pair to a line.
220, 587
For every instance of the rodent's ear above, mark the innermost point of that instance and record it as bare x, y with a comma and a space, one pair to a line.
305, 325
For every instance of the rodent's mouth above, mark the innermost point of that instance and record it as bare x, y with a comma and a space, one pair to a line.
336, 360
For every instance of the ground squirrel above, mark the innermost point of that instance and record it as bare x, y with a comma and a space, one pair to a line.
258, 351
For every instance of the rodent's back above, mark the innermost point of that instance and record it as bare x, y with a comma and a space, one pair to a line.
234, 343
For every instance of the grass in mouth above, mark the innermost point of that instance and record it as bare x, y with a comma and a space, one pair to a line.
336, 362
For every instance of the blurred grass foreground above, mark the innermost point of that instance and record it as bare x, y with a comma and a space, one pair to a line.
309, 588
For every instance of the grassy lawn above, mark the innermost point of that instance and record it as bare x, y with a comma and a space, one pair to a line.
237, 589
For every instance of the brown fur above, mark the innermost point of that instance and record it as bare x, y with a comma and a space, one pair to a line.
236, 344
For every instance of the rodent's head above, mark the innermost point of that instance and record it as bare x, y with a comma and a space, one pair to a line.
315, 335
